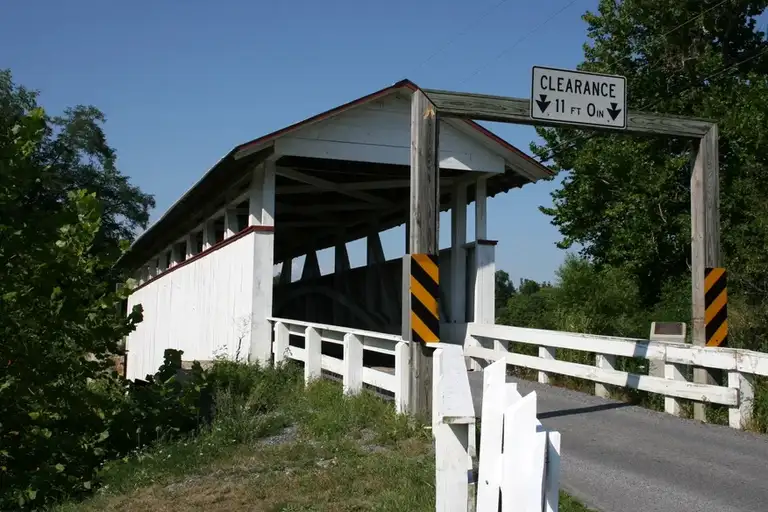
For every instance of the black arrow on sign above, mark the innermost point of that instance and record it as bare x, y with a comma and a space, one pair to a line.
543, 103
613, 111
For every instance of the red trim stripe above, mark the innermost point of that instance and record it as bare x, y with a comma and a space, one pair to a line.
237, 236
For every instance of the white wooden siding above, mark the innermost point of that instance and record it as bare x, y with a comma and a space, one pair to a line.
202, 308
379, 132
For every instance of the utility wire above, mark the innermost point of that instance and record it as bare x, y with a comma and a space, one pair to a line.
461, 34
656, 103
652, 105
519, 40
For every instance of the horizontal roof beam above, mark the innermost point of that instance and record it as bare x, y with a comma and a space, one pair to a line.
483, 107
356, 186
328, 185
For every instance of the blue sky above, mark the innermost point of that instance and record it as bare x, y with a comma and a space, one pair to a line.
181, 83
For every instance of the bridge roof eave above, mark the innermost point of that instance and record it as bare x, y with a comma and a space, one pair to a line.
231, 175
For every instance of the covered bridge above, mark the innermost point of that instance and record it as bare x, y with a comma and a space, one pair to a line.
207, 268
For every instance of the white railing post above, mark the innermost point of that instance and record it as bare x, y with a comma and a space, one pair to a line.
673, 371
452, 415
498, 395
523, 457
741, 415
545, 353
313, 350
282, 342
402, 376
606, 362
353, 364
552, 484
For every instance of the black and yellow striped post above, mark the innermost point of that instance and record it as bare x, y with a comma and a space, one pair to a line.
716, 307
425, 298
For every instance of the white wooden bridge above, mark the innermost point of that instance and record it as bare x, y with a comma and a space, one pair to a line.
207, 281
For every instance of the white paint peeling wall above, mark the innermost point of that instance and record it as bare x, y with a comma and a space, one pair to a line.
202, 308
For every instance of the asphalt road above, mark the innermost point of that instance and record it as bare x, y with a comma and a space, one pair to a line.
621, 458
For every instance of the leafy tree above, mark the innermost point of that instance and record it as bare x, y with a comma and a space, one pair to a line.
627, 199
74, 150
530, 287
59, 322
585, 298
597, 300
504, 289
534, 309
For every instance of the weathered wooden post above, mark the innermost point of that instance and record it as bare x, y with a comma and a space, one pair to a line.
705, 244
422, 242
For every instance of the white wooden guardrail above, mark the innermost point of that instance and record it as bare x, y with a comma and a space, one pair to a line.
740, 364
350, 367
519, 460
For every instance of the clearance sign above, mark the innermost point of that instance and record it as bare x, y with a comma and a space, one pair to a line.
578, 97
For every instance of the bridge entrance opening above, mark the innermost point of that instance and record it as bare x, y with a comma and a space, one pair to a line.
561, 98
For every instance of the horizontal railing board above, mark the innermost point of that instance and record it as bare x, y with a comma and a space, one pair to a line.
678, 389
747, 361
335, 328
372, 341
379, 379
332, 364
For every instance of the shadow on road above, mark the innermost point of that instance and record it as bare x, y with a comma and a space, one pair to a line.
582, 410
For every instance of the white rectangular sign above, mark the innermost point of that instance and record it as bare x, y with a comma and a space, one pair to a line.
578, 97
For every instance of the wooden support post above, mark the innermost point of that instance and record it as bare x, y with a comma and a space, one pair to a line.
673, 371
458, 299
372, 284
353, 364
380, 290
481, 208
705, 243
310, 271
423, 236
230, 223
162, 262
261, 214
340, 280
313, 355
545, 353
282, 342
402, 377
209, 234
311, 268
175, 255
286, 271
606, 362
741, 416
190, 243
152, 268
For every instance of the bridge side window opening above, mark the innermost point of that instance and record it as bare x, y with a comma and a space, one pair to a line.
182, 250
219, 229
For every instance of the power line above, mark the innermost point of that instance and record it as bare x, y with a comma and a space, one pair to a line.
456, 37
520, 40
644, 46
656, 103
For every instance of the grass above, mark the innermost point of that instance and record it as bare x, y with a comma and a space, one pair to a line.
313, 449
